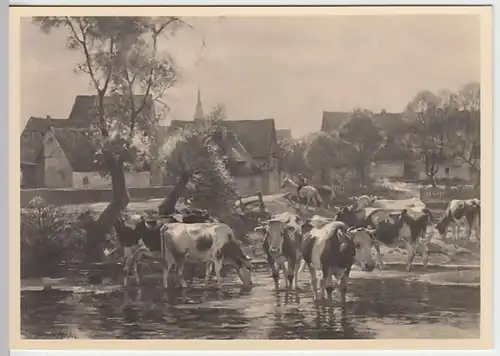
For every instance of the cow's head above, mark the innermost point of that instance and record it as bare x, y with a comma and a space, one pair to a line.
241, 262
362, 239
474, 205
275, 231
348, 216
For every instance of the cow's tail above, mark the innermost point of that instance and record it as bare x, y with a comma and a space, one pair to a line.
302, 265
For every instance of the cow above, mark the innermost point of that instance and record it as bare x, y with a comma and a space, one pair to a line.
364, 201
282, 242
328, 195
211, 243
393, 229
144, 238
332, 248
455, 212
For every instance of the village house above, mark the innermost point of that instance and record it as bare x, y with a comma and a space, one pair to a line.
58, 153
252, 154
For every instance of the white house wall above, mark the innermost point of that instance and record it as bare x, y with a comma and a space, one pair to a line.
58, 172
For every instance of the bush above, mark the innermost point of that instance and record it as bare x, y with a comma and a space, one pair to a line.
49, 236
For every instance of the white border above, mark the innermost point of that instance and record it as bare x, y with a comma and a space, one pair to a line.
4, 187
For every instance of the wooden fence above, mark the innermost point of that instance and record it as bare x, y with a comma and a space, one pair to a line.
439, 197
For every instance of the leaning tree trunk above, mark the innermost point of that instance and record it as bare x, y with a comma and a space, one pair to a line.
96, 232
167, 206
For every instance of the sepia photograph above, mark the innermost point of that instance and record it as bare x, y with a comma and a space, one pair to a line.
243, 176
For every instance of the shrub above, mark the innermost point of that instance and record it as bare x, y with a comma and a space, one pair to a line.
49, 237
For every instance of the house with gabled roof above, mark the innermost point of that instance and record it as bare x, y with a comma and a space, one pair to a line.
255, 143
72, 165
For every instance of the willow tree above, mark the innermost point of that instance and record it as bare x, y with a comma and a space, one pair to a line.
128, 73
196, 159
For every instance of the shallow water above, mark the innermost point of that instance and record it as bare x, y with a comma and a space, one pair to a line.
384, 304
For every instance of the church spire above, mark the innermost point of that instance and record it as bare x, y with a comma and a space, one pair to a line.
198, 114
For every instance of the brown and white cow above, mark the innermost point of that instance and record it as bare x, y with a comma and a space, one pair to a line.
332, 248
212, 243
458, 210
282, 242
393, 229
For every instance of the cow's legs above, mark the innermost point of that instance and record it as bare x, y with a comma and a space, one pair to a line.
208, 271
343, 286
137, 274
168, 264
296, 268
379, 255
424, 252
288, 272
328, 281
454, 233
275, 274
180, 271
282, 266
411, 255
314, 281
217, 268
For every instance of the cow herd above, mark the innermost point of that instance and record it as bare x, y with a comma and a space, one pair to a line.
327, 247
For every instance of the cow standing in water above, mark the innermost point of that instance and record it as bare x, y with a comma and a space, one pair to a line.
212, 243
393, 230
282, 242
144, 239
333, 248
455, 212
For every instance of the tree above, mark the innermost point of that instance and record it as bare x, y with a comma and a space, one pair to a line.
121, 57
325, 153
196, 158
291, 156
427, 115
463, 139
361, 140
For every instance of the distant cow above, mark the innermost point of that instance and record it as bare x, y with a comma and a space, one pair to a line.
456, 211
393, 229
282, 242
327, 194
212, 243
332, 249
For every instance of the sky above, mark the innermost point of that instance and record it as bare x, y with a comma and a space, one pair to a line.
290, 69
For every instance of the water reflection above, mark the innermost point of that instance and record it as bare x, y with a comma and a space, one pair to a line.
235, 312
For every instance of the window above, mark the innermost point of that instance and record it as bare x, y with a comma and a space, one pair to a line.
85, 181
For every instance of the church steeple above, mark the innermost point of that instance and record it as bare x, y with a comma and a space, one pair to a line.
198, 114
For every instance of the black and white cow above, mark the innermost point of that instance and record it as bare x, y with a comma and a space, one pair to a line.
332, 248
458, 210
145, 240
282, 242
393, 230
211, 243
